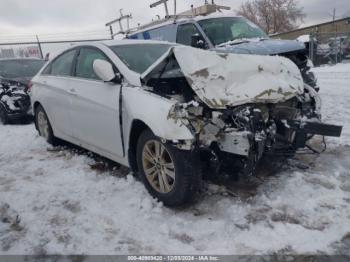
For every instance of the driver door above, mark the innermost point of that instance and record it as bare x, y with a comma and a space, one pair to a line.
95, 109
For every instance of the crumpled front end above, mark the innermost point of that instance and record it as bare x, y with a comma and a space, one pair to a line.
236, 138
238, 107
222, 80
291, 49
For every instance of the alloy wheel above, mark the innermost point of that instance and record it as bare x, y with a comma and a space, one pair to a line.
158, 166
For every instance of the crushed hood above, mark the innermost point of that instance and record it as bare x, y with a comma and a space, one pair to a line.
227, 80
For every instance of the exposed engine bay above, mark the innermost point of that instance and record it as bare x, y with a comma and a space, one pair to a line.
232, 124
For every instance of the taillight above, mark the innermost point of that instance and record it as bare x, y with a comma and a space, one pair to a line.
29, 86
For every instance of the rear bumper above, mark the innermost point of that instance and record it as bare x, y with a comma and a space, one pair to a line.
19, 116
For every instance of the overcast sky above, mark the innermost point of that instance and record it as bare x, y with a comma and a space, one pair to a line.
52, 19
55, 16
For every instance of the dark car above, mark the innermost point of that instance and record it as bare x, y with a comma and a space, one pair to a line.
15, 76
227, 34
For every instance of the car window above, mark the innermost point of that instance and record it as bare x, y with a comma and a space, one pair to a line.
139, 57
85, 61
62, 66
185, 33
47, 70
225, 29
20, 68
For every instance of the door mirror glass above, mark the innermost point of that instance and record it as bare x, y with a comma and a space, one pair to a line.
197, 41
104, 70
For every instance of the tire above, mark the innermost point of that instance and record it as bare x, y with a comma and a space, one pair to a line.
43, 125
176, 173
3, 115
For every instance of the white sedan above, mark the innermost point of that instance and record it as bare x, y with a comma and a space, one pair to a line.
169, 111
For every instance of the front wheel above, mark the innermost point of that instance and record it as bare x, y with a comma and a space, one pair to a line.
169, 174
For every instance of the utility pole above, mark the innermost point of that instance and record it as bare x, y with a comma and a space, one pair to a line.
335, 36
39, 45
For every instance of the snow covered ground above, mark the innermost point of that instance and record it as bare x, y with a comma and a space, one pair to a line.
56, 201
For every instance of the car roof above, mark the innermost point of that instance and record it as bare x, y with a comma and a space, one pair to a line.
109, 43
215, 15
184, 20
133, 42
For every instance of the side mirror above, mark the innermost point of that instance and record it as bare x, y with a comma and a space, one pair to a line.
104, 70
197, 41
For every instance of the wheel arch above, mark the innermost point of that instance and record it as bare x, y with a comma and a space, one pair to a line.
35, 106
137, 127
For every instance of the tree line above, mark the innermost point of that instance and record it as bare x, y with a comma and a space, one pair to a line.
274, 16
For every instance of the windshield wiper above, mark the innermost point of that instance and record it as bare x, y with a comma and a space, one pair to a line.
234, 42
238, 41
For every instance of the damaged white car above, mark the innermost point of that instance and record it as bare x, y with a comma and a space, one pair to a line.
168, 111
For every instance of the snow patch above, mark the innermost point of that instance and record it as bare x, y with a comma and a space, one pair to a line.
67, 207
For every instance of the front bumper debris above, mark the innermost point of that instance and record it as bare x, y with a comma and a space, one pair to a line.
303, 130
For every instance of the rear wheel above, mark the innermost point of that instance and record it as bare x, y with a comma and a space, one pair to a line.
169, 174
43, 125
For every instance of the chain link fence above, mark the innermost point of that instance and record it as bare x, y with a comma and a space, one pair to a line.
329, 48
43, 49
22, 46
21, 51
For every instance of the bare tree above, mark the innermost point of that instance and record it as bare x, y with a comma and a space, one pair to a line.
275, 16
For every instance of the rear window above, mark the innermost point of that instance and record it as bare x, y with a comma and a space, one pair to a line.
140, 57
62, 65
20, 68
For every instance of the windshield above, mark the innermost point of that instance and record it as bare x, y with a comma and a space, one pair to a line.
20, 68
140, 57
226, 29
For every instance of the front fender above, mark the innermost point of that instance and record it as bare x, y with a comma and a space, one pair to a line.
153, 110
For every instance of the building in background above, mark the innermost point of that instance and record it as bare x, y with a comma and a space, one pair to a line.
20, 52
7, 53
326, 42
336, 26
